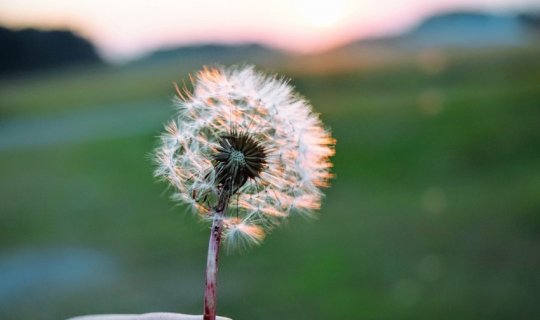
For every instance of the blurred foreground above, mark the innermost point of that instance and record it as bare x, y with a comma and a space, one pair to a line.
434, 213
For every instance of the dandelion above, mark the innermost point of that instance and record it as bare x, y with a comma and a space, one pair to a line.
244, 152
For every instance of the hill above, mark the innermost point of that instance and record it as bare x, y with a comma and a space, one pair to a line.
31, 49
459, 29
212, 53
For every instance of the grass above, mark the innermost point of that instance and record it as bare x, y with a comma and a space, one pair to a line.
433, 215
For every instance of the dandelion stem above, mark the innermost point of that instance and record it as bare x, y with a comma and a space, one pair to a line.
212, 260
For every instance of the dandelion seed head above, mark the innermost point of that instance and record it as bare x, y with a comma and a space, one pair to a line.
251, 136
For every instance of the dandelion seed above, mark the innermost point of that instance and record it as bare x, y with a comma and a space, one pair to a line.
244, 151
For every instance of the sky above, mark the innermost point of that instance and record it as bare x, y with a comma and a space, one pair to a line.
123, 30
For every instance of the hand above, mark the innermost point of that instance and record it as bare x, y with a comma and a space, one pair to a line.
146, 316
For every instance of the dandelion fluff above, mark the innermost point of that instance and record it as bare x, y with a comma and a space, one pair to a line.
250, 139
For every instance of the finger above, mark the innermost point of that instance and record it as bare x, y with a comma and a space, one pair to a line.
146, 316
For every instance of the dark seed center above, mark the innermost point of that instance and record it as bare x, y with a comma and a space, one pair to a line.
239, 157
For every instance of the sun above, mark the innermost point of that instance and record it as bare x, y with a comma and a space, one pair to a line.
322, 13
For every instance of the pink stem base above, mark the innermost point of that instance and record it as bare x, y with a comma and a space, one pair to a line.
212, 265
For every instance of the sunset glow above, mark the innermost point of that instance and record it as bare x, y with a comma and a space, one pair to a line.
125, 29
322, 14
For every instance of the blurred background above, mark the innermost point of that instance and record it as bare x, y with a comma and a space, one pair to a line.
435, 211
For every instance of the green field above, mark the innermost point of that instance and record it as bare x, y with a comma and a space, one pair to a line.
434, 213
